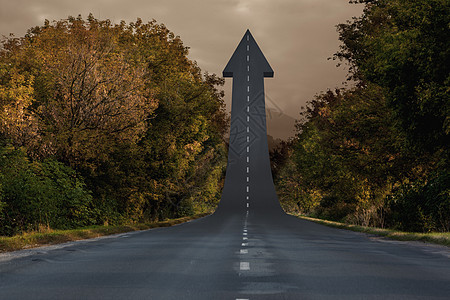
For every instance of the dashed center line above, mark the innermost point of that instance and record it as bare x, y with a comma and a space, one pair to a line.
244, 266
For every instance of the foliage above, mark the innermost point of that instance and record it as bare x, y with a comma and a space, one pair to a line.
403, 46
41, 193
422, 206
377, 154
123, 106
349, 153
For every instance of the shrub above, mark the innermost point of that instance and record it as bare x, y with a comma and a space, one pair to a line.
422, 205
37, 194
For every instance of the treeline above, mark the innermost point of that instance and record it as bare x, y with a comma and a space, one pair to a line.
105, 123
378, 154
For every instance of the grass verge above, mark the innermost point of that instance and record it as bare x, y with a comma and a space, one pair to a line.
51, 237
441, 238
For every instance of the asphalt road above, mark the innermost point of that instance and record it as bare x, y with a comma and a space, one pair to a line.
279, 257
249, 249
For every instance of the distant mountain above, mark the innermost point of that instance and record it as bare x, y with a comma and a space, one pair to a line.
279, 125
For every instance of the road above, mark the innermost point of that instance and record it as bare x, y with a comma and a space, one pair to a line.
235, 256
249, 249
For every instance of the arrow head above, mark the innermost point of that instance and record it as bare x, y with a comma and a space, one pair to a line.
248, 52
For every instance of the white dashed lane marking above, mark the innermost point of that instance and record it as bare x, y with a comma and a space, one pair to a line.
244, 266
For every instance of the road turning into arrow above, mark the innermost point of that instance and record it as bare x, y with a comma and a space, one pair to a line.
277, 256
248, 181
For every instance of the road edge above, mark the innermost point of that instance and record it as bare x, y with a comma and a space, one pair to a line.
55, 237
438, 238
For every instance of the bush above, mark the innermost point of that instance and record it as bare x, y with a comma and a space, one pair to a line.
38, 194
421, 206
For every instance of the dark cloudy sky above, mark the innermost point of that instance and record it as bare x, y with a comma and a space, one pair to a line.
296, 36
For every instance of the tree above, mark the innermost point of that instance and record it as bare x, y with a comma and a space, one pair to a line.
349, 152
124, 106
16, 95
403, 46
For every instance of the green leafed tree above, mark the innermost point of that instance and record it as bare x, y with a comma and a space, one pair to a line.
124, 106
377, 154
403, 46
349, 152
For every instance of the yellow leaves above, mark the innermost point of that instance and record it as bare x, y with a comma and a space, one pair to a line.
192, 149
15, 97
17, 91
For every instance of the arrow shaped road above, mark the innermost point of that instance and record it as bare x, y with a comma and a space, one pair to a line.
248, 249
248, 181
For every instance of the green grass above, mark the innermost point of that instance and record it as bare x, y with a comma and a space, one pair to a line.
441, 238
51, 237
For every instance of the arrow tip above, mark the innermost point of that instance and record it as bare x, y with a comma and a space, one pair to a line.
240, 54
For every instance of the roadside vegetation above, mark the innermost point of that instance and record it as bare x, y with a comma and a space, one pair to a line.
47, 236
377, 154
105, 124
110, 126
440, 238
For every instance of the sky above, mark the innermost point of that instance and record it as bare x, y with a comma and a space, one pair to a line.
296, 36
